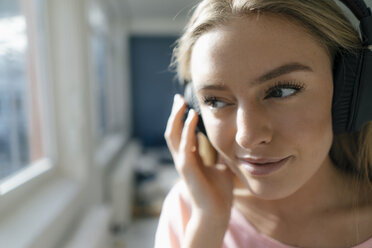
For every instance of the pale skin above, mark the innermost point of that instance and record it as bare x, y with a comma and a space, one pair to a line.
265, 89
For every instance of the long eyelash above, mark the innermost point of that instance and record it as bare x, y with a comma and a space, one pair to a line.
280, 85
209, 99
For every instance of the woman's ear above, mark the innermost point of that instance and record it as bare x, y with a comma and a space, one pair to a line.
206, 151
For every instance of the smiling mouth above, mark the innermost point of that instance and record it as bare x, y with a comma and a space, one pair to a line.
263, 166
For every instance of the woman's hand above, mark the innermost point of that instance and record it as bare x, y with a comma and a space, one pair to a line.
210, 187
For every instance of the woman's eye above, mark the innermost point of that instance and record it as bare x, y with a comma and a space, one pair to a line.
283, 90
280, 93
214, 103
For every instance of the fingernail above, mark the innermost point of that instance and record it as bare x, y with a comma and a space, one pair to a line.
177, 101
189, 117
191, 113
193, 149
176, 97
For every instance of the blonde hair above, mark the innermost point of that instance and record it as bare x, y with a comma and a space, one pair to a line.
324, 20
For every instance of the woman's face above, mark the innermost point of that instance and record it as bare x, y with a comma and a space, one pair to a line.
265, 91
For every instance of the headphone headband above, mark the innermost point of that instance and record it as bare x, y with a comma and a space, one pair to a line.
358, 7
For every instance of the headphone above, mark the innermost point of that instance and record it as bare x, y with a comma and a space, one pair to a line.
352, 94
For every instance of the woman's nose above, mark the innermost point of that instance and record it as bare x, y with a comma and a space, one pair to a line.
253, 127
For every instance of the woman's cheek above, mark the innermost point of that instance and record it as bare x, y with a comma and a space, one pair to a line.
306, 123
220, 133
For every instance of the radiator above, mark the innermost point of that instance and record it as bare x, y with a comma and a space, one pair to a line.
121, 183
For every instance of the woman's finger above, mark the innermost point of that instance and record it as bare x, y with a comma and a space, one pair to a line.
189, 159
174, 127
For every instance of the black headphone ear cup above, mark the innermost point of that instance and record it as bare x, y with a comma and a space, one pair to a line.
346, 73
192, 102
190, 98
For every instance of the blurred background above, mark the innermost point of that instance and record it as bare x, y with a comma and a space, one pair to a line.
85, 93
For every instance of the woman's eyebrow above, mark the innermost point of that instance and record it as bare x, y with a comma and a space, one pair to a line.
282, 70
276, 72
207, 86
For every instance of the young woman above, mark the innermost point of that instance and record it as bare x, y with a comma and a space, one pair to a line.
262, 72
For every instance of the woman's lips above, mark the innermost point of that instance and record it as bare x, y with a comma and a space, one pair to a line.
263, 166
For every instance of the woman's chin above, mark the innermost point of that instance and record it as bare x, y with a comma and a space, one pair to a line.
261, 190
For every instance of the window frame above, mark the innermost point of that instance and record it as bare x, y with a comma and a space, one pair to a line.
76, 179
13, 187
107, 145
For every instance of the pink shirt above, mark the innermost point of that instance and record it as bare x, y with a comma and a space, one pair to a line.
240, 233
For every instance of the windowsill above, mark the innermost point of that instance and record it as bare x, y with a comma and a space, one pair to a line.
27, 174
14, 189
41, 219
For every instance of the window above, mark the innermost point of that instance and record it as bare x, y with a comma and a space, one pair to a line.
21, 139
107, 84
99, 51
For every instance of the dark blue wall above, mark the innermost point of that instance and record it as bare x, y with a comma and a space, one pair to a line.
153, 87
